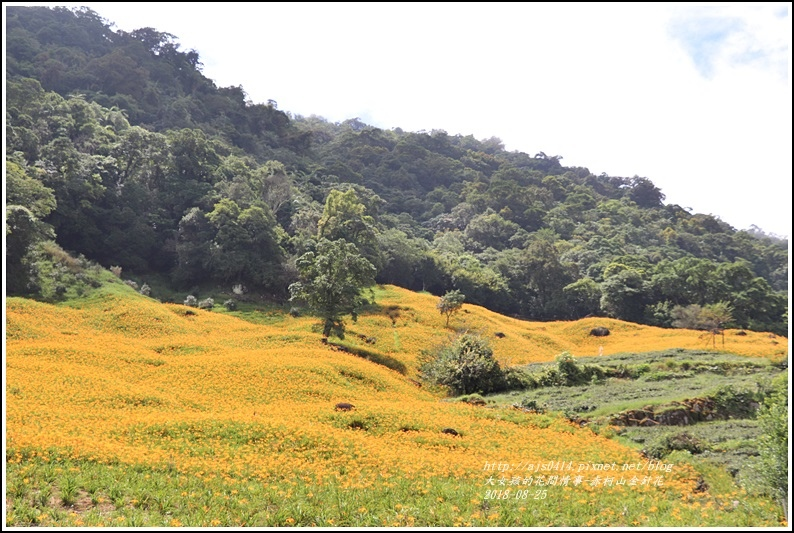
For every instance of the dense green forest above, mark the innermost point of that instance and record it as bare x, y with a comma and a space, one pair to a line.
123, 153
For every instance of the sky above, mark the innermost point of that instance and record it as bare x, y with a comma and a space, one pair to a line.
695, 96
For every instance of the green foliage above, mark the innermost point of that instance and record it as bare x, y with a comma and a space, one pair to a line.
466, 365
710, 317
773, 444
530, 404
123, 151
623, 293
28, 201
664, 445
737, 402
56, 275
331, 280
451, 303
567, 368
345, 217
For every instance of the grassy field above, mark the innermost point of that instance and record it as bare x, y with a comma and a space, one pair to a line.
124, 411
661, 380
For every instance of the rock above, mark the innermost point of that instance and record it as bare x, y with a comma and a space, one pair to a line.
344, 406
599, 332
450, 431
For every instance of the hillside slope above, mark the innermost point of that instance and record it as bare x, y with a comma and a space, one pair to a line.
202, 403
418, 326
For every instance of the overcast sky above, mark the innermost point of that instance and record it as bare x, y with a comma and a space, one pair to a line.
696, 97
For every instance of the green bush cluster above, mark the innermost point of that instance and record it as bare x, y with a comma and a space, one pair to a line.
466, 365
661, 447
566, 373
738, 403
773, 444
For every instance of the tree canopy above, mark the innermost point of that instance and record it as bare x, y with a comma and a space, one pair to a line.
120, 149
332, 278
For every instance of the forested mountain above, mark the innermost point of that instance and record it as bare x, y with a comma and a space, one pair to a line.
121, 150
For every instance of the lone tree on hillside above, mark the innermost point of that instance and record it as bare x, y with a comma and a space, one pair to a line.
331, 280
711, 318
450, 303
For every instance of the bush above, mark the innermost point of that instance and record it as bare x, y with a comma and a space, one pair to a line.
568, 370
593, 373
146, 290
191, 301
230, 305
473, 399
466, 366
736, 403
549, 377
516, 378
528, 404
773, 443
207, 303
678, 441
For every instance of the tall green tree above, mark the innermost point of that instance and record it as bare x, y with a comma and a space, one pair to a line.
246, 244
332, 278
345, 217
27, 202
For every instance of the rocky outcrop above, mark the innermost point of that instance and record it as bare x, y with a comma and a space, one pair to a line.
681, 413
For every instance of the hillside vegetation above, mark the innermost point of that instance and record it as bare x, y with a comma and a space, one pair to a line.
133, 183
125, 411
120, 149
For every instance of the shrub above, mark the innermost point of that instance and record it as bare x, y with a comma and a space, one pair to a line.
567, 367
670, 443
116, 270
207, 303
550, 377
466, 365
131, 284
191, 301
773, 443
230, 305
528, 404
473, 399
593, 373
146, 290
736, 402
516, 378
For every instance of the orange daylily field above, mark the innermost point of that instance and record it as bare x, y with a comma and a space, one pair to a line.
126, 411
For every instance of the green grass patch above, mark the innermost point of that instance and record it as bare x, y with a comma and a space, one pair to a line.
72, 493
